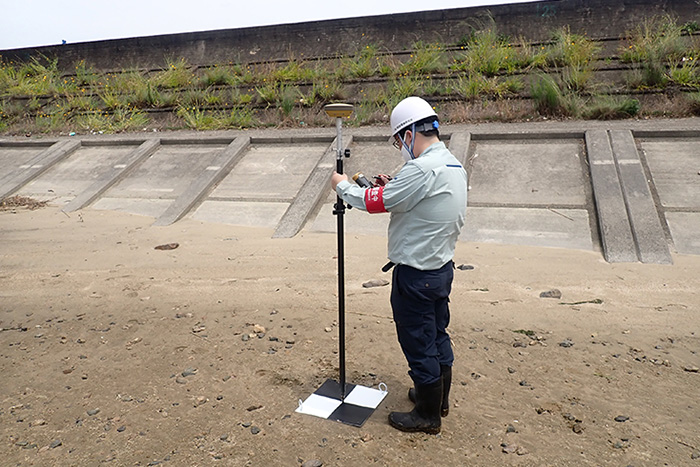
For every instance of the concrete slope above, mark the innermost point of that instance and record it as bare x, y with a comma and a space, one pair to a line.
630, 190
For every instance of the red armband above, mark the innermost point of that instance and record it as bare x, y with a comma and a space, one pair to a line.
374, 200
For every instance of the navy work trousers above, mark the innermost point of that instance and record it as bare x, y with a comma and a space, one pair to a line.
419, 300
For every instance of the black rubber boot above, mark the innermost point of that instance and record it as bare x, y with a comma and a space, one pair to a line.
446, 375
425, 416
446, 372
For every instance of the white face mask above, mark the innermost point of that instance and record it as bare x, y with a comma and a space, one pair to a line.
406, 152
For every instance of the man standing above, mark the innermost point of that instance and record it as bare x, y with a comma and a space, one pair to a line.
427, 200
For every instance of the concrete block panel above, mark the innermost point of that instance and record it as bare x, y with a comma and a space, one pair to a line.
112, 175
270, 172
12, 157
539, 173
674, 166
76, 173
139, 206
37, 166
243, 213
562, 228
685, 229
167, 173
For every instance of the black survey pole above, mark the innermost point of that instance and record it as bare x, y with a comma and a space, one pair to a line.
339, 111
329, 400
340, 212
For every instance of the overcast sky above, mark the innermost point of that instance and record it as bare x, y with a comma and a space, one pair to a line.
30, 23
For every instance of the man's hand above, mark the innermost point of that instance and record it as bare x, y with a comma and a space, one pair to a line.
337, 178
382, 180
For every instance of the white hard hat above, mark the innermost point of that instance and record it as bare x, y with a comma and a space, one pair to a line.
409, 111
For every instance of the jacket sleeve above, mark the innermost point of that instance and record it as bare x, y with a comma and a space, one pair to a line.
401, 194
354, 195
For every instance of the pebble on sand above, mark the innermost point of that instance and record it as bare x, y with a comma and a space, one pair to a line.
509, 448
554, 293
189, 372
167, 246
375, 283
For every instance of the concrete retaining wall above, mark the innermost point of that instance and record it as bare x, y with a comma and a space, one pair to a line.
533, 21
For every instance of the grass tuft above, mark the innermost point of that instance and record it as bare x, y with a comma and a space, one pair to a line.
547, 95
611, 107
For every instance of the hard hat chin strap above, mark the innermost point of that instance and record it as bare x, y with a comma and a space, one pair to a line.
407, 151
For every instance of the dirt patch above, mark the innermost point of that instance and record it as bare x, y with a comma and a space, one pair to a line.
21, 202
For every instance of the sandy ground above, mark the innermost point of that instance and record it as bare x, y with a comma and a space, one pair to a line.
98, 328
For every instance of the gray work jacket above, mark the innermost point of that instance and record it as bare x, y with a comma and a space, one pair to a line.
427, 200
